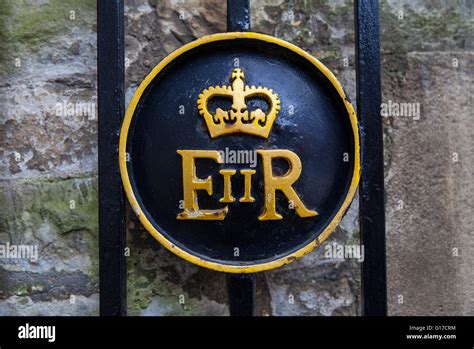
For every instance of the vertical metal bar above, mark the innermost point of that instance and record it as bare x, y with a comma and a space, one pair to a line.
240, 288
372, 216
241, 291
110, 71
238, 15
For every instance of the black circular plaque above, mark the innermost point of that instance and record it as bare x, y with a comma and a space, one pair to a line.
240, 152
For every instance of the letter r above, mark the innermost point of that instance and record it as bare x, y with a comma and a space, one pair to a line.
283, 183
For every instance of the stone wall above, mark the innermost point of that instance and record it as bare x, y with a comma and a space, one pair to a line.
48, 156
428, 58
48, 163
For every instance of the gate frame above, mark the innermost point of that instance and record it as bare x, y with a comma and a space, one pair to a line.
241, 287
111, 109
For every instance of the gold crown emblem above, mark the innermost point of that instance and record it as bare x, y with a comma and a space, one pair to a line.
239, 119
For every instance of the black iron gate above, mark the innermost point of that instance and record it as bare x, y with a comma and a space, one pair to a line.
241, 288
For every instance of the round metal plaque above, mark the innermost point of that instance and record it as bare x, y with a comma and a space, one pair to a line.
240, 152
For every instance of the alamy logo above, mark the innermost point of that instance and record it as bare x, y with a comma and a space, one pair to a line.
338, 251
11, 251
231, 156
403, 109
37, 332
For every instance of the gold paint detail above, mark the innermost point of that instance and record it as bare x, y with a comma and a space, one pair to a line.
227, 174
282, 183
232, 268
247, 186
239, 119
191, 184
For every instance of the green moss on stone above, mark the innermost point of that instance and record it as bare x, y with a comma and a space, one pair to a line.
66, 206
27, 25
440, 28
145, 285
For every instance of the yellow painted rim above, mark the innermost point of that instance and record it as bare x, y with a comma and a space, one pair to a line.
193, 258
